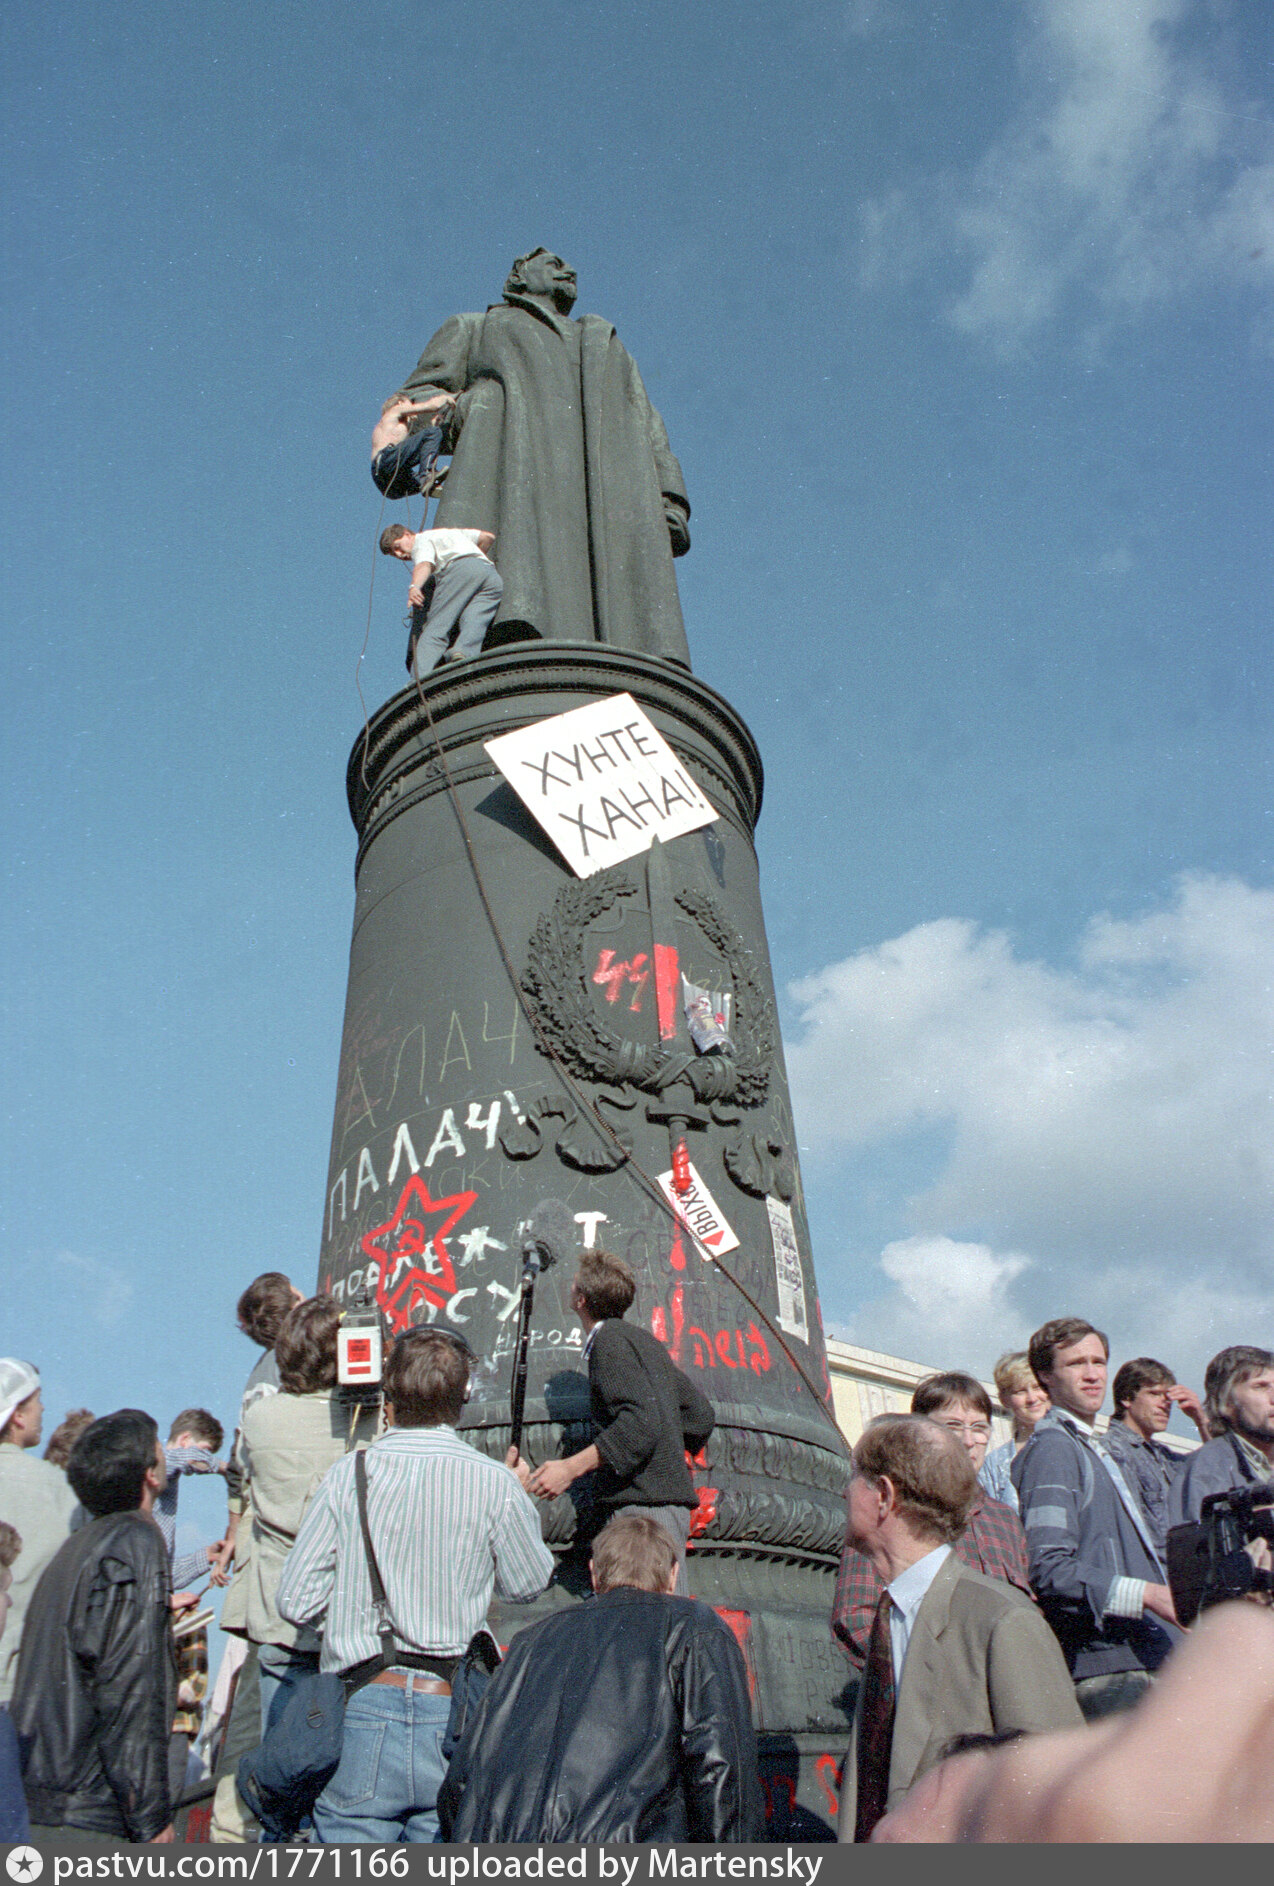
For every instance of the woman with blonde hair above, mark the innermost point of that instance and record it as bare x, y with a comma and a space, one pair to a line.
1022, 1398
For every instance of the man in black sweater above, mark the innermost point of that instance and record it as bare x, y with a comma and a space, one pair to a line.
646, 1413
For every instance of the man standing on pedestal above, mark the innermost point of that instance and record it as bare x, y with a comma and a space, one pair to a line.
647, 1414
455, 591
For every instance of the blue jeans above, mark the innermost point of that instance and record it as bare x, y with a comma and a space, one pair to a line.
280, 1669
400, 470
386, 1788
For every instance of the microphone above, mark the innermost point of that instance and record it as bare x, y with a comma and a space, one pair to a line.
547, 1235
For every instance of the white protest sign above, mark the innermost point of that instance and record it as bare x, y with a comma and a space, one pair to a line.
700, 1214
787, 1270
601, 781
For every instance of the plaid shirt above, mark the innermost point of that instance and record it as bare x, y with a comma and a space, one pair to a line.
992, 1542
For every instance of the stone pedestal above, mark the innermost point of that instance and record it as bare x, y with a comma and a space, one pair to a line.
464, 1102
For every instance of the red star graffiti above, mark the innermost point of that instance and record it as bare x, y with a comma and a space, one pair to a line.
402, 1283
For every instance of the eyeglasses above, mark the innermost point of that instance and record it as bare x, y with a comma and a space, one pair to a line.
971, 1430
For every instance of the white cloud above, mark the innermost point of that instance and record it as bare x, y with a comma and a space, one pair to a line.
1129, 173
948, 1299
1104, 1132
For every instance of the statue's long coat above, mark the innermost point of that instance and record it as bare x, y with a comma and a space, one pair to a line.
562, 455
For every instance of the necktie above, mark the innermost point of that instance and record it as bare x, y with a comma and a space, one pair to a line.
876, 1725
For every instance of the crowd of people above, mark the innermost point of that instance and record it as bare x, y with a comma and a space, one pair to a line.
1041, 1572
982, 1597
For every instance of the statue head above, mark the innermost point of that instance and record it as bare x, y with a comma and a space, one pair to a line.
544, 277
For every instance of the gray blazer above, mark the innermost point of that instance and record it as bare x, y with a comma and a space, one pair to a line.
981, 1661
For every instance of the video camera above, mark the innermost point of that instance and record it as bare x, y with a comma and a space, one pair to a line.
1209, 1562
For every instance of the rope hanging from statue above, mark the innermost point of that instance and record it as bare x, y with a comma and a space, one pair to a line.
650, 1183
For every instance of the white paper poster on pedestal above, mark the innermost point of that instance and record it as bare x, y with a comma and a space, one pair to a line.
602, 782
787, 1270
699, 1212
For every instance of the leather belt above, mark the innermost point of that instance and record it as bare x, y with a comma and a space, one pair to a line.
428, 1685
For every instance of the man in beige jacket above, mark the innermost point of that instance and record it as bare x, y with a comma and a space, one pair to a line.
952, 1653
35, 1499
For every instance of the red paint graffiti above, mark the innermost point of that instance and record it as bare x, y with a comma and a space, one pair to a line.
758, 1351
784, 1782
703, 1357
659, 1323
677, 1255
402, 1284
613, 976
828, 1770
733, 1348
666, 973
705, 1512
740, 1623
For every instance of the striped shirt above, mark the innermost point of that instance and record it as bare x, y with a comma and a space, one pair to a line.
178, 1460
449, 1526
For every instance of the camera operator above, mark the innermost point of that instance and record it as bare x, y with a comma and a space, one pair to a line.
1238, 1392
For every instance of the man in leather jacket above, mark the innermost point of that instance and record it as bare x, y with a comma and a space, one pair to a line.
96, 1685
622, 1719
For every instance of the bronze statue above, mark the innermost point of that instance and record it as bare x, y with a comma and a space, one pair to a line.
558, 450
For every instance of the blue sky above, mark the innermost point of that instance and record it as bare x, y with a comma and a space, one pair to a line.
960, 322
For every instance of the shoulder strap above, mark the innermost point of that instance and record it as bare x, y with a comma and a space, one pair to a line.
1245, 1466
380, 1601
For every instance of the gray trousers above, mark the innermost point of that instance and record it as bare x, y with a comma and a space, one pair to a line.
466, 595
